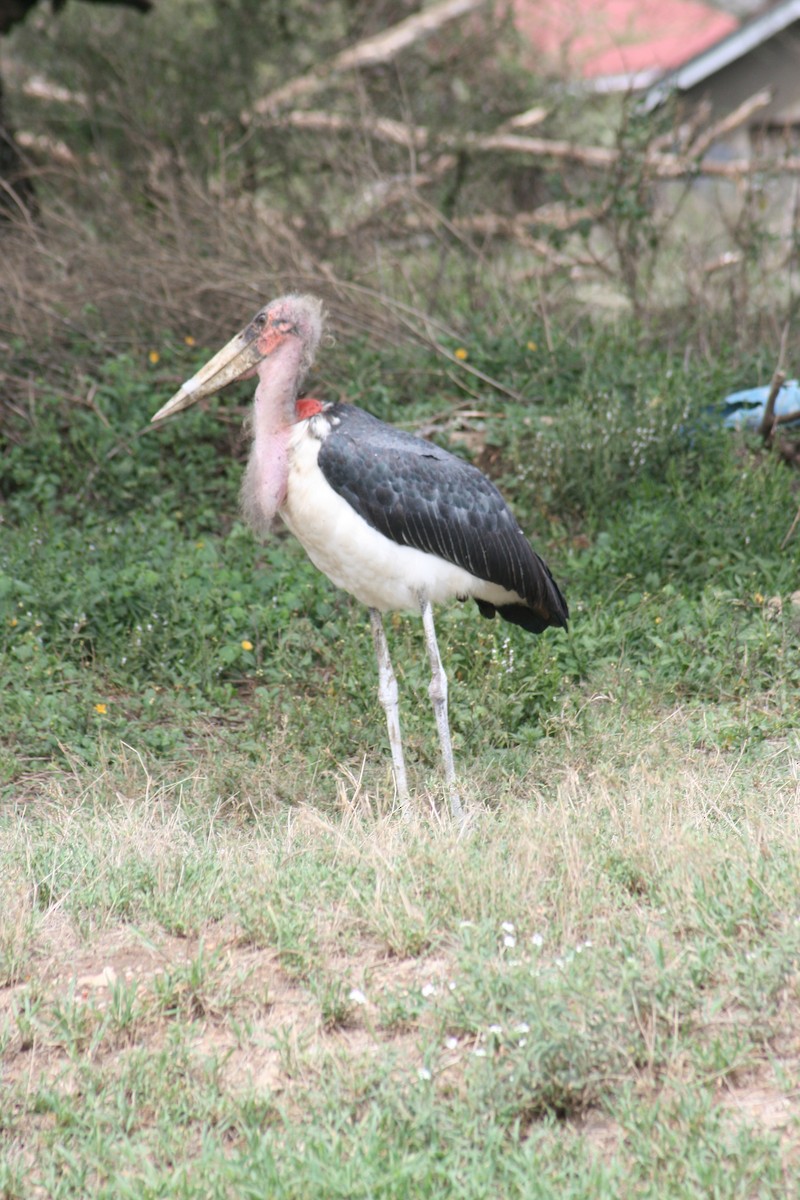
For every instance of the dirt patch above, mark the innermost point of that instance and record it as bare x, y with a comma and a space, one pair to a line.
766, 1107
769, 1101
266, 1031
601, 1132
762, 1104
264, 1027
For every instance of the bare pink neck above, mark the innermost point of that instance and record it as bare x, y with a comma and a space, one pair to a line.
274, 412
276, 394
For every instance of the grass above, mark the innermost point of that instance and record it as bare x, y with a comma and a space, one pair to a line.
598, 980
228, 968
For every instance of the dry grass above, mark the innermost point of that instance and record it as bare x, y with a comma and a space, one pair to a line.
650, 888
191, 263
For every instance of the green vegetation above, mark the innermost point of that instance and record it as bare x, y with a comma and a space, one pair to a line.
229, 969
135, 606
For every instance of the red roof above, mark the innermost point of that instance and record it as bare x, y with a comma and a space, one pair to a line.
593, 38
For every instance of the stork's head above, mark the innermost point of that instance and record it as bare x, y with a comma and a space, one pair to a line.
291, 319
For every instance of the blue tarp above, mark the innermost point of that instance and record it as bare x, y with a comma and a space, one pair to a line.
744, 410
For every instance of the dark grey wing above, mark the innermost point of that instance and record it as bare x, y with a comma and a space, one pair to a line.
419, 495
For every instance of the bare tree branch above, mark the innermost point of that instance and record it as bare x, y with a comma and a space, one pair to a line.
660, 164
380, 48
727, 124
383, 129
39, 87
51, 148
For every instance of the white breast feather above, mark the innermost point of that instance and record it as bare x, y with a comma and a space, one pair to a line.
357, 557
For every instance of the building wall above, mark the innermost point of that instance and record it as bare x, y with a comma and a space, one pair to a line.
775, 65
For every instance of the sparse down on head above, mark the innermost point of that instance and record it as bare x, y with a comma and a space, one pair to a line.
289, 318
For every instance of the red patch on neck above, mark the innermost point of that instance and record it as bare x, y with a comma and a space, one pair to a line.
308, 407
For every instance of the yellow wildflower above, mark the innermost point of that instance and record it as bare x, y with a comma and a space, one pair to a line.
759, 599
461, 353
532, 346
14, 622
154, 357
247, 645
189, 340
100, 709
658, 620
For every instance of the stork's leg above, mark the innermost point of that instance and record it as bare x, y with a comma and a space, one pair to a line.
387, 693
438, 694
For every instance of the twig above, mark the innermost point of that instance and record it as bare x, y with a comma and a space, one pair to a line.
792, 528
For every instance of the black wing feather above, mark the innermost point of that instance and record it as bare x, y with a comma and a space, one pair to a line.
422, 496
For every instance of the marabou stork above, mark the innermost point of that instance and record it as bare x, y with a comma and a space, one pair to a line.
392, 519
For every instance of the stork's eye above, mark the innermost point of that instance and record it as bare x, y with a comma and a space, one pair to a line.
260, 320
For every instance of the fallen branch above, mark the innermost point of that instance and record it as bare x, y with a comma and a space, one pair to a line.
524, 120
727, 124
50, 147
383, 129
660, 164
372, 51
38, 87
729, 258
512, 143
386, 129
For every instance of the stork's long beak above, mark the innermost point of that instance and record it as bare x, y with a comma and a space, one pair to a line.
232, 362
